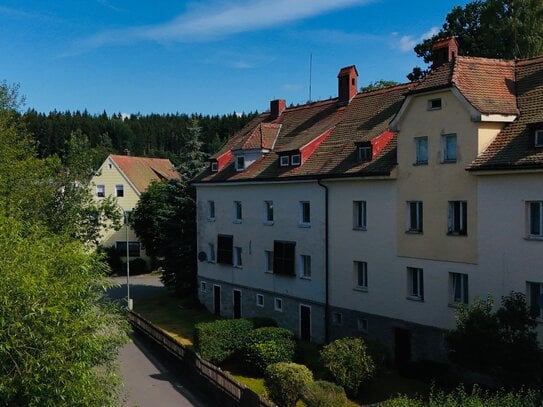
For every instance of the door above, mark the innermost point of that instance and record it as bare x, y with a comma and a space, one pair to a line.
237, 304
217, 300
402, 346
305, 322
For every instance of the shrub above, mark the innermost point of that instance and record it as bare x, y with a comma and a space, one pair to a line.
137, 266
218, 340
285, 382
269, 345
348, 362
260, 322
324, 394
113, 259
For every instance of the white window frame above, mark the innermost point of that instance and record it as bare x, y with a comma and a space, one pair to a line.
101, 191
268, 261
538, 138
284, 161
363, 153
305, 266
359, 215
268, 209
534, 226
259, 300
119, 188
448, 155
337, 318
238, 257
214, 166
362, 325
458, 288
305, 221
421, 155
203, 287
534, 302
415, 212
360, 275
211, 211
238, 212
415, 283
211, 253
462, 230
240, 160
295, 159
278, 304
434, 104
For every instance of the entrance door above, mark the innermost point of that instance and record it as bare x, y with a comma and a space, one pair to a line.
237, 304
305, 322
402, 346
217, 300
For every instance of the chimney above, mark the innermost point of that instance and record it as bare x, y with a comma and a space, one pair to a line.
126, 151
347, 84
443, 51
277, 107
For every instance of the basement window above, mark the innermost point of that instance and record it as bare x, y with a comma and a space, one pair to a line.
434, 104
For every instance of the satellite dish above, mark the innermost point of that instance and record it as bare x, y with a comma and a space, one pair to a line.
202, 256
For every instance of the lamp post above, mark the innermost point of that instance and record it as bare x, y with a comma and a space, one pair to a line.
129, 300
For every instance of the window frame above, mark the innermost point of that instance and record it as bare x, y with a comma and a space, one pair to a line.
415, 283
203, 287
460, 296
305, 214
362, 325
415, 217
421, 159
239, 167
538, 138
534, 304
295, 159
457, 227
337, 318
447, 158
261, 302
268, 261
432, 104
360, 215
210, 210
305, 266
283, 162
238, 257
211, 257
364, 153
538, 224
360, 275
238, 212
268, 213
278, 304
214, 166
284, 258
100, 191
119, 190
225, 254
134, 248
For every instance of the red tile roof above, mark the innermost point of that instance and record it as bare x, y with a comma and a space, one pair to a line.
141, 171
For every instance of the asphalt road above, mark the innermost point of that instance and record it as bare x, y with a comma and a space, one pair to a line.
151, 376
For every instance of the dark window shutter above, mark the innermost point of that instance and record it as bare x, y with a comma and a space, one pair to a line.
224, 249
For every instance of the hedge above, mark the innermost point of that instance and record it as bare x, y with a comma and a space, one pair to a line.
218, 340
285, 382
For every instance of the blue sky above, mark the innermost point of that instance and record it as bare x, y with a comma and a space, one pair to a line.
210, 57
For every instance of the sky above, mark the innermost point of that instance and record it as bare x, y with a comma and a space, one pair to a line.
209, 57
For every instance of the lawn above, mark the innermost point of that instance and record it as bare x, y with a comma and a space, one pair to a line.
174, 316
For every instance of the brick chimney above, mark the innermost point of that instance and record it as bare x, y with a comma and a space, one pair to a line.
347, 84
443, 51
277, 107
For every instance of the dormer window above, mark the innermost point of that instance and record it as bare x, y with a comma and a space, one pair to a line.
284, 161
434, 104
240, 163
214, 166
295, 159
538, 138
363, 153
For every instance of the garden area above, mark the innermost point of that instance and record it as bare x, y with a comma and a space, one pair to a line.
347, 372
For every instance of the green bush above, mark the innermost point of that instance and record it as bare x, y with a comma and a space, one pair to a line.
324, 394
285, 382
112, 258
349, 363
218, 340
269, 345
137, 266
261, 322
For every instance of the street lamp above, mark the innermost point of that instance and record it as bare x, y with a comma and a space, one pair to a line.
129, 300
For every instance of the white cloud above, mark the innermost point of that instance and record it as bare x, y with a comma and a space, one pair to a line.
406, 43
217, 19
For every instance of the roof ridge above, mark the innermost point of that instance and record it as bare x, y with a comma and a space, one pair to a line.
384, 90
485, 60
527, 61
311, 104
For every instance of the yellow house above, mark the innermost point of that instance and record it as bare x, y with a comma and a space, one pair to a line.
125, 178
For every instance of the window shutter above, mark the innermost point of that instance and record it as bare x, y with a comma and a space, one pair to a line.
224, 249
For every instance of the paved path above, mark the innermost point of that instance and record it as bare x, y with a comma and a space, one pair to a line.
150, 375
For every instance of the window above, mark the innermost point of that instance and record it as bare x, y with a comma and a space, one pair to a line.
109, 166
237, 257
268, 212
224, 249
458, 218
100, 191
259, 300
362, 325
305, 213
359, 215
278, 304
214, 166
337, 318
284, 161
283, 257
119, 191
535, 219
415, 283
211, 252
414, 224
203, 286
458, 288
535, 299
240, 163
305, 264
538, 138
361, 275
449, 148
237, 212
434, 104
363, 153
268, 261
295, 159
133, 248
211, 210
421, 149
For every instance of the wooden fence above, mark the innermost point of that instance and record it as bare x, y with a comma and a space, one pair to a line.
225, 386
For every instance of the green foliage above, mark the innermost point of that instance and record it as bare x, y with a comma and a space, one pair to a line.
324, 394
349, 363
137, 266
112, 258
261, 322
218, 340
269, 345
502, 343
10, 98
476, 398
285, 382
380, 84
58, 335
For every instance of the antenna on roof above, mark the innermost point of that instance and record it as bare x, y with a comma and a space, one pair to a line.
310, 67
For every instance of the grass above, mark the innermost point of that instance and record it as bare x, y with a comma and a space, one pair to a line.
175, 317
